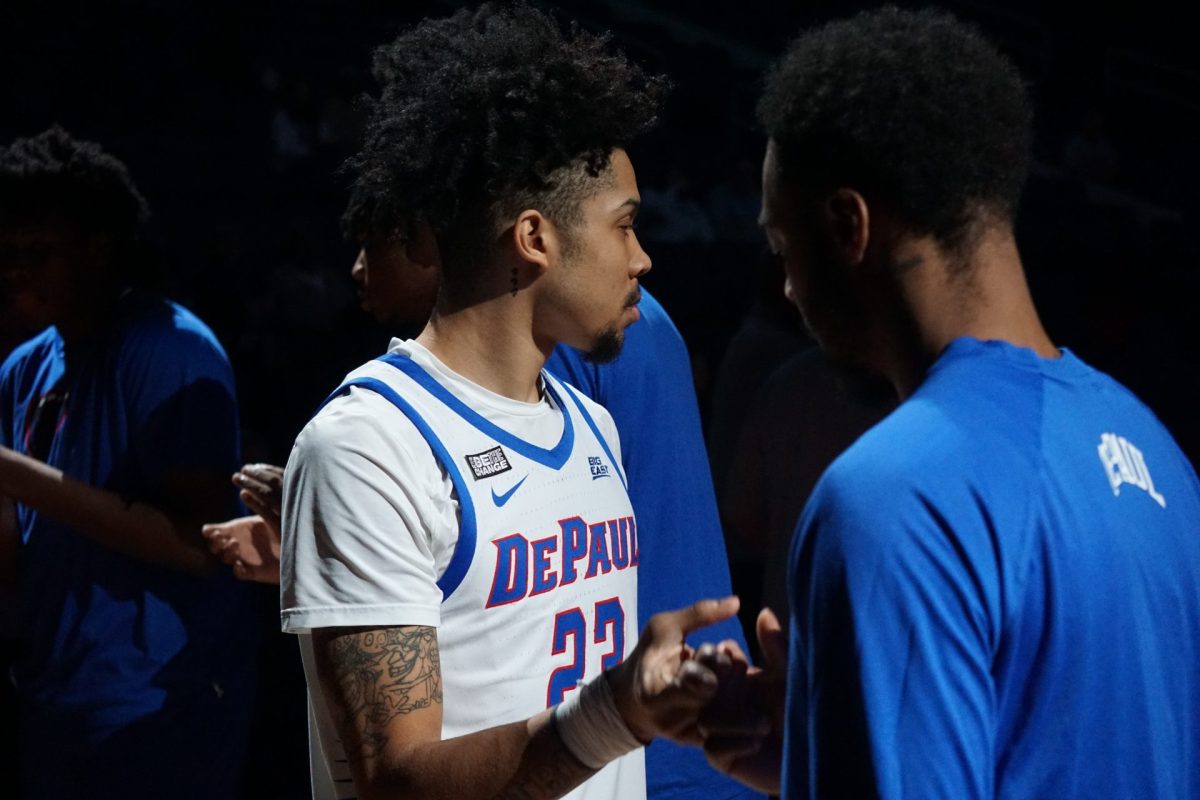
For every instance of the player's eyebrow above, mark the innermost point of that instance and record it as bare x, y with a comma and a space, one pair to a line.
633, 204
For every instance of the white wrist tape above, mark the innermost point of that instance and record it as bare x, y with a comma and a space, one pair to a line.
591, 727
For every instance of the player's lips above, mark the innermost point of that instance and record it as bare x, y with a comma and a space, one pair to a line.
631, 304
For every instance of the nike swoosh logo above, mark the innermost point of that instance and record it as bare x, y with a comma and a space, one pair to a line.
501, 499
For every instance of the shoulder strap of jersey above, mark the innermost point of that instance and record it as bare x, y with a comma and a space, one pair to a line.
573, 393
464, 548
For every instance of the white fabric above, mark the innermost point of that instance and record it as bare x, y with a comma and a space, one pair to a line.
372, 520
591, 727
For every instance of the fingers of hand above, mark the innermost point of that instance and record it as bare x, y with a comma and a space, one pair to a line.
224, 548
254, 502
771, 639
264, 480
733, 650
251, 484
736, 708
682, 621
675, 702
713, 657
268, 474
695, 680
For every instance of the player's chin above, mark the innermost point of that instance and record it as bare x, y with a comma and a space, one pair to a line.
607, 345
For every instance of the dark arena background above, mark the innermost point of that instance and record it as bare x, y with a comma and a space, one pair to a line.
234, 117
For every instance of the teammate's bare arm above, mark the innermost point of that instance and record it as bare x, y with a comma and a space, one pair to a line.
133, 528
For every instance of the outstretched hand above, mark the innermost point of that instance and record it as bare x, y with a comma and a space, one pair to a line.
660, 689
248, 544
262, 491
742, 727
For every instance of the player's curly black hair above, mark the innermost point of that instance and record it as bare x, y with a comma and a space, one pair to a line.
487, 111
912, 107
55, 176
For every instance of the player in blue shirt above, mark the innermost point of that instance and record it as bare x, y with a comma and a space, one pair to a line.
995, 592
118, 425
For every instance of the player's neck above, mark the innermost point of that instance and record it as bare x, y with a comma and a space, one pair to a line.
986, 299
491, 344
88, 315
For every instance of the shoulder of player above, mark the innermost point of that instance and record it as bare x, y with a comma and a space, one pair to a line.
29, 352
897, 465
363, 422
158, 330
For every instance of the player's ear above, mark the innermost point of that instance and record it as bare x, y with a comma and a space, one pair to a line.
535, 239
847, 220
421, 246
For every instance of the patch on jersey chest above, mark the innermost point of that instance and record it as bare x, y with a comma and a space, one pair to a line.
488, 463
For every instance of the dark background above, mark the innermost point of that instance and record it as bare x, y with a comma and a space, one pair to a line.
234, 117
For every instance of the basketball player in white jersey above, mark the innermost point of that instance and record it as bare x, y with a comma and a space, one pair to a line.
460, 554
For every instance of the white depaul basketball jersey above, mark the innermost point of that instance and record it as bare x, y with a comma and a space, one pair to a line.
540, 590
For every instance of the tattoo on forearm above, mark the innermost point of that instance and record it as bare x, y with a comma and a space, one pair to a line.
381, 674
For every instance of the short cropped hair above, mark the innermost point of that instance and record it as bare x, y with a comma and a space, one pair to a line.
916, 109
53, 176
486, 112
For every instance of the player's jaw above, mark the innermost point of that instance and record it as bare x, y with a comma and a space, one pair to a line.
607, 344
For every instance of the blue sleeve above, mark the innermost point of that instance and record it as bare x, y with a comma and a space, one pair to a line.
889, 687
179, 399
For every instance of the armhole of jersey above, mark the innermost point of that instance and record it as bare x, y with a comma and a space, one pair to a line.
464, 548
587, 418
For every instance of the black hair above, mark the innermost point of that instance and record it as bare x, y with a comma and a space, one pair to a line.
487, 110
914, 108
55, 177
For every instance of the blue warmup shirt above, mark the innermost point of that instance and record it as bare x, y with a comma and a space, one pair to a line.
648, 390
128, 672
996, 594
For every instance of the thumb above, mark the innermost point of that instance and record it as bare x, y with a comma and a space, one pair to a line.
771, 639
700, 613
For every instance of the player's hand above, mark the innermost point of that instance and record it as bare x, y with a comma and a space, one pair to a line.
742, 726
660, 689
248, 544
262, 491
